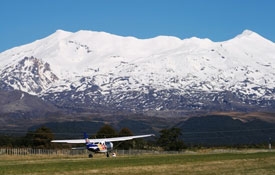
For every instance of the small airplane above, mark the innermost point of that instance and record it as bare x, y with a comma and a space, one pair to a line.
103, 145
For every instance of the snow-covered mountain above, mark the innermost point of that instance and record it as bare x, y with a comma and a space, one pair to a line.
98, 71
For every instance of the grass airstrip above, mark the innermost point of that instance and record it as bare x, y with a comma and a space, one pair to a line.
252, 163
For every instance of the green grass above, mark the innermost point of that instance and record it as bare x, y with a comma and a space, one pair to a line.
224, 163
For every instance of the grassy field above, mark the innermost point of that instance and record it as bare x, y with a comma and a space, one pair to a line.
222, 163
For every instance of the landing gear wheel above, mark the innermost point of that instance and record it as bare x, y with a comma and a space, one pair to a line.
90, 156
107, 154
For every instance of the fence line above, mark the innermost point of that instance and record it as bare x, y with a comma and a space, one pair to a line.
31, 151
68, 152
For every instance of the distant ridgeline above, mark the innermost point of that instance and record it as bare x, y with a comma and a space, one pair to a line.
215, 130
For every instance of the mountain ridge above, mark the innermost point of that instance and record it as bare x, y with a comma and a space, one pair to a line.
100, 70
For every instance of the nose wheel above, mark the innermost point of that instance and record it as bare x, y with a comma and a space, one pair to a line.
90, 155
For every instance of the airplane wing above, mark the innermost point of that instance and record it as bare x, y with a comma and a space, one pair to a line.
114, 139
69, 141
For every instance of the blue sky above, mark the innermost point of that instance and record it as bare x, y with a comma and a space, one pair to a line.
24, 21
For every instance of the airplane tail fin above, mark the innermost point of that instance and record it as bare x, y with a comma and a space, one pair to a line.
86, 138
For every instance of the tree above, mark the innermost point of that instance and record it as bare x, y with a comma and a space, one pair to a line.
169, 139
125, 132
5, 141
106, 131
126, 144
42, 138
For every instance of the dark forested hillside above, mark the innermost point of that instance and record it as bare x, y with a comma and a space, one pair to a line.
224, 130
